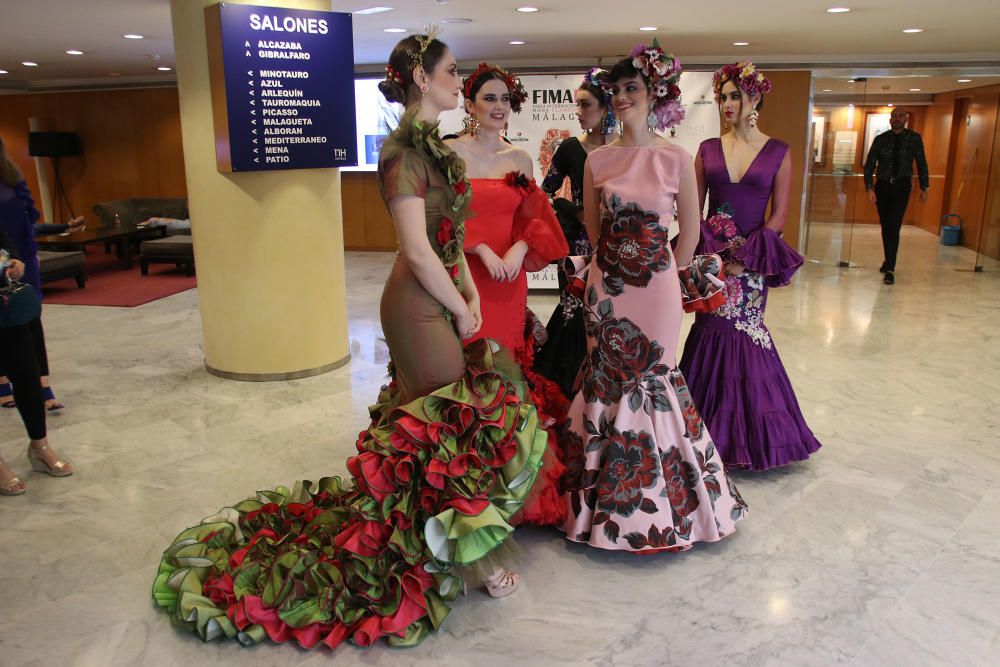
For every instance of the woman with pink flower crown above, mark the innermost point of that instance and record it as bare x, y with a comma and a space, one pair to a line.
642, 473
735, 374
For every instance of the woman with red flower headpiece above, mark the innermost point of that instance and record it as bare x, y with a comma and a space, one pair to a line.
642, 473
449, 457
735, 373
511, 230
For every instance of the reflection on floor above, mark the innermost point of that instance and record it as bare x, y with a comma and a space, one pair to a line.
882, 550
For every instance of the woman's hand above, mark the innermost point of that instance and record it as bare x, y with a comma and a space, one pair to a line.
476, 309
735, 268
15, 269
467, 324
513, 260
494, 265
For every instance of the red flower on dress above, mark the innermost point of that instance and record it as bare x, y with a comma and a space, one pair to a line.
460, 187
629, 467
517, 180
680, 479
445, 232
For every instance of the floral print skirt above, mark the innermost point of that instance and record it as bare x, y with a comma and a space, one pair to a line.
642, 472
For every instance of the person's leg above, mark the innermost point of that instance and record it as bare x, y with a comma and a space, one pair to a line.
41, 355
882, 201
21, 365
896, 210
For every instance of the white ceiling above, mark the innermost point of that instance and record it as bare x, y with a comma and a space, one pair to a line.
564, 32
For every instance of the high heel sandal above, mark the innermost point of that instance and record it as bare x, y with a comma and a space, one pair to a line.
12, 486
502, 583
51, 396
60, 468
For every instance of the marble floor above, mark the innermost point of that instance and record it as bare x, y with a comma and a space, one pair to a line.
884, 549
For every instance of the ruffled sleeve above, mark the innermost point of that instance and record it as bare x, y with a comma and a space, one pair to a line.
536, 224
22, 191
404, 172
766, 253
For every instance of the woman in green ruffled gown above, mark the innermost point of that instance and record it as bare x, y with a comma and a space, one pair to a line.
450, 454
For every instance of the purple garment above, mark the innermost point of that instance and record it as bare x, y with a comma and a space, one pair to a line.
734, 372
17, 219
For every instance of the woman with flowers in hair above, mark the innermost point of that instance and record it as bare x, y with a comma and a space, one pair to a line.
736, 376
561, 356
642, 473
450, 455
511, 230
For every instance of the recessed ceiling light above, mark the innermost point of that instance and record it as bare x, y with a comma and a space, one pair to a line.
838, 10
912, 31
826, 90
28, 63
965, 80
741, 43
373, 10
516, 42
163, 69
3, 71
889, 105
456, 20
850, 81
914, 90
74, 52
527, 10
648, 28
394, 30
132, 35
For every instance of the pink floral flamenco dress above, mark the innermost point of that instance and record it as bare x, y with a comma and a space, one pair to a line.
642, 472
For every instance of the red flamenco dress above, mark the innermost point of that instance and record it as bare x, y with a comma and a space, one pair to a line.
503, 212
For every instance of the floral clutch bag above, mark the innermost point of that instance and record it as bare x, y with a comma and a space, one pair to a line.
702, 290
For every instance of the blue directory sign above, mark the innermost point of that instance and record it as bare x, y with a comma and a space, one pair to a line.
282, 87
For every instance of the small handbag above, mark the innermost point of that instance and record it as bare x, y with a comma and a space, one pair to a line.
19, 304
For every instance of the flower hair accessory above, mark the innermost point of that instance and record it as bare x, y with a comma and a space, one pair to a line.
745, 76
662, 72
424, 40
518, 95
597, 78
392, 75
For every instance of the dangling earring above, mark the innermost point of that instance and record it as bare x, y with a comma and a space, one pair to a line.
651, 120
423, 88
503, 132
470, 124
725, 125
752, 118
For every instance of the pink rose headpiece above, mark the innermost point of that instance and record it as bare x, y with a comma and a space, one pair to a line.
518, 94
662, 72
746, 77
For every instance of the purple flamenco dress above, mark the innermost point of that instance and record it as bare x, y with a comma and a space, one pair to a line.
734, 372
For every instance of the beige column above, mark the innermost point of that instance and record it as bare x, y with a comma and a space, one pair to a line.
268, 246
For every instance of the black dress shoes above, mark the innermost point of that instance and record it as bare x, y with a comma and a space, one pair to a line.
889, 278
881, 269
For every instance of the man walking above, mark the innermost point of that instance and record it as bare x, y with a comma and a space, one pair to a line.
891, 157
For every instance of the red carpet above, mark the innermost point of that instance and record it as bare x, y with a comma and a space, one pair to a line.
108, 284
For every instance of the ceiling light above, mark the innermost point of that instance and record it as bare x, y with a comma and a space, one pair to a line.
3, 71
516, 42
648, 28
838, 10
965, 80
131, 35
28, 63
741, 43
912, 31
850, 81
914, 90
163, 69
527, 10
889, 105
826, 90
74, 52
394, 30
373, 10
456, 20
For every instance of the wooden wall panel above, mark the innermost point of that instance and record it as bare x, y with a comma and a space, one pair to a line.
131, 142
